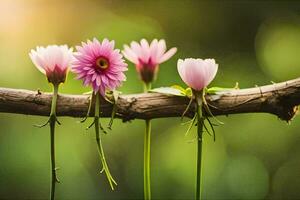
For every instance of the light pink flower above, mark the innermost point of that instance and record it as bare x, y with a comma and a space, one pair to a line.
197, 73
148, 57
53, 61
99, 65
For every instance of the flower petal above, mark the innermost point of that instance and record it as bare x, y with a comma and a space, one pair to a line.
168, 55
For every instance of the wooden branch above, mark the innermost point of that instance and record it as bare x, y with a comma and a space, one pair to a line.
280, 99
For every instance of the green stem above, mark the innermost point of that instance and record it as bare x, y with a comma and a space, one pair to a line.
147, 87
52, 121
147, 185
99, 143
200, 121
147, 153
54, 99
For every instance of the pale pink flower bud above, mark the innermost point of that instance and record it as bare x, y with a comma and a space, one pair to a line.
197, 73
53, 61
148, 57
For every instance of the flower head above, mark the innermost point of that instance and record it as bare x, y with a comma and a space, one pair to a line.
197, 73
148, 57
53, 61
99, 65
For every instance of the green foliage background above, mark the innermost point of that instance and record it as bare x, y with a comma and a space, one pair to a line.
256, 156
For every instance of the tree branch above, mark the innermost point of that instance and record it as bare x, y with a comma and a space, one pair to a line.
280, 99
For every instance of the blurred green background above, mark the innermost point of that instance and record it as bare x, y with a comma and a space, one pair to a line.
255, 156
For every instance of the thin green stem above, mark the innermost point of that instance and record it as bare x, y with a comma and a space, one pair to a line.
110, 179
89, 108
147, 87
54, 99
200, 123
52, 121
147, 153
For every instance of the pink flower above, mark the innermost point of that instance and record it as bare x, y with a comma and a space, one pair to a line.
99, 65
148, 57
53, 61
197, 73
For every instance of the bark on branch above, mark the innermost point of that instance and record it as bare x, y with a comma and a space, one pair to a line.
280, 99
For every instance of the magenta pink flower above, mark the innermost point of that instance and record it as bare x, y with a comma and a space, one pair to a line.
99, 65
197, 73
53, 61
148, 57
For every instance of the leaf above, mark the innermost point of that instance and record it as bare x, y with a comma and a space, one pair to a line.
116, 95
178, 87
188, 92
112, 96
215, 90
89, 92
169, 90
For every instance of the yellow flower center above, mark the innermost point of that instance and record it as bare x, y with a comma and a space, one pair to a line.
102, 63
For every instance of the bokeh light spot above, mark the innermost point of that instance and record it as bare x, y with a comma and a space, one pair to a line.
278, 47
247, 178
